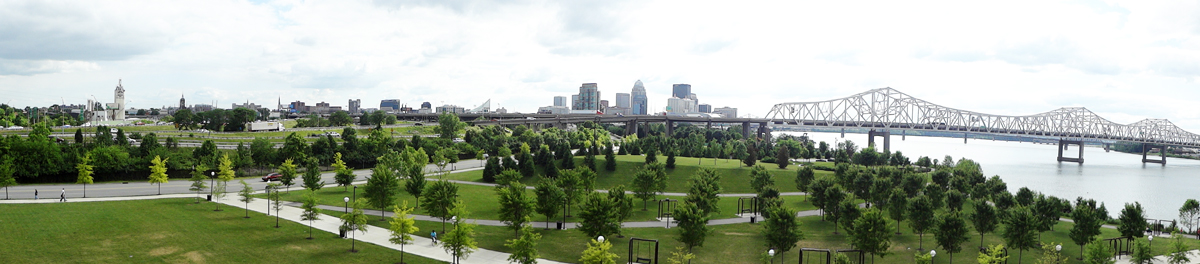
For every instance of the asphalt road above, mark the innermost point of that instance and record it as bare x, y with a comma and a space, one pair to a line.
179, 186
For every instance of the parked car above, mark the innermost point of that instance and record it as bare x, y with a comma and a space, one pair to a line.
271, 177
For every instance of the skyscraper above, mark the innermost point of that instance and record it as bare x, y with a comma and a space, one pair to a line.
560, 101
589, 98
681, 90
354, 105
639, 102
623, 100
389, 104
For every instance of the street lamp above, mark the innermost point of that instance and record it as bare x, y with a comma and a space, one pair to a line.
346, 205
1057, 250
600, 239
1151, 238
932, 253
771, 253
454, 220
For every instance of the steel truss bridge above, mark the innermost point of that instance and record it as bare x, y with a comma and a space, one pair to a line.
886, 109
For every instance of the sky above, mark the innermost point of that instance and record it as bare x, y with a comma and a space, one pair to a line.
1124, 60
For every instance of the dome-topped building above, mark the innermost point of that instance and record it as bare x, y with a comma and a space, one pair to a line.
639, 101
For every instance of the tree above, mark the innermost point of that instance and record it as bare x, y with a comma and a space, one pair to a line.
670, 159
704, 191
871, 233
984, 219
951, 232
1179, 250
994, 254
246, 196
644, 185
85, 172
355, 220
490, 169
936, 194
817, 190
340, 118
651, 156
781, 229
597, 253
751, 156
781, 157
384, 184
460, 241
760, 178
610, 160
920, 216
515, 206
343, 175
440, 200
1142, 254
589, 160
598, 216
524, 247
1189, 213
680, 256
804, 177
1050, 254
693, 225
549, 198
198, 180
1097, 253
311, 212
449, 125
623, 202
897, 207
525, 162
224, 175
1047, 211
1020, 229
312, 176
414, 170
78, 136
1087, 223
402, 226
158, 172
508, 177
287, 174
1132, 222
955, 199
6, 174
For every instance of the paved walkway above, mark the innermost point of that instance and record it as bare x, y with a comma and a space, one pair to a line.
1194, 257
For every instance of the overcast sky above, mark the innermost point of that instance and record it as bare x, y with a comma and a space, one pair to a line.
1125, 60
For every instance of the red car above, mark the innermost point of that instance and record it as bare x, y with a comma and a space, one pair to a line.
271, 177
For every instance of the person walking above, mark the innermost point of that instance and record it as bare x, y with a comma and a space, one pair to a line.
35, 194
63, 197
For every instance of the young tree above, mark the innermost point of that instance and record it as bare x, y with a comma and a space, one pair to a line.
1087, 223
804, 177
1189, 213
760, 178
355, 220
158, 172
524, 247
1132, 222
920, 216
751, 155
705, 190
610, 160
817, 190
651, 156
1097, 253
1020, 228
343, 175
311, 212
198, 180
871, 234
671, 159
440, 198
781, 157
994, 254
781, 229
384, 184
246, 196
589, 161
1142, 254
312, 175
460, 241
623, 203
525, 163
984, 219
598, 216
693, 225
897, 206
287, 174
491, 169
549, 198
85, 172
1179, 250
644, 185
274, 201
951, 232
515, 206
597, 253
680, 256
414, 170
449, 125
955, 199
402, 226
1047, 211
224, 175
6, 175
1050, 253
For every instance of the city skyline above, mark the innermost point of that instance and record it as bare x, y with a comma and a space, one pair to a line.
1124, 60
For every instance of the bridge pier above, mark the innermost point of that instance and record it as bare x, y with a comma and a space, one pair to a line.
965, 142
670, 128
746, 130
1062, 144
631, 128
1162, 152
887, 139
903, 134
763, 129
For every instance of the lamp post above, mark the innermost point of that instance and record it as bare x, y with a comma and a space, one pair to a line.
932, 253
211, 180
600, 239
454, 220
346, 204
771, 253
1057, 250
267, 189
1151, 238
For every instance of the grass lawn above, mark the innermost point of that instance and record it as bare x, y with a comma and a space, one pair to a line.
735, 176
167, 231
484, 204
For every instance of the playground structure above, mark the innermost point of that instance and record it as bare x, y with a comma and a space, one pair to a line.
642, 251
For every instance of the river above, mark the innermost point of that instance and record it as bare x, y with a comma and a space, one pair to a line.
1110, 177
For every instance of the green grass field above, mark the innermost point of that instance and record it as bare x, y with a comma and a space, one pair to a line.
168, 231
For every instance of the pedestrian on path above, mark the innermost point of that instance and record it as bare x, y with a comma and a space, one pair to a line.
35, 194
433, 235
63, 197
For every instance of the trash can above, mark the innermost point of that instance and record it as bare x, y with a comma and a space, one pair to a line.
210, 197
341, 233
559, 225
753, 219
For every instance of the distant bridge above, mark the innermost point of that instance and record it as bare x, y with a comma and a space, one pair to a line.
886, 109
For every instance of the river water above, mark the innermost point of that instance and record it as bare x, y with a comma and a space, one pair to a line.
1110, 177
